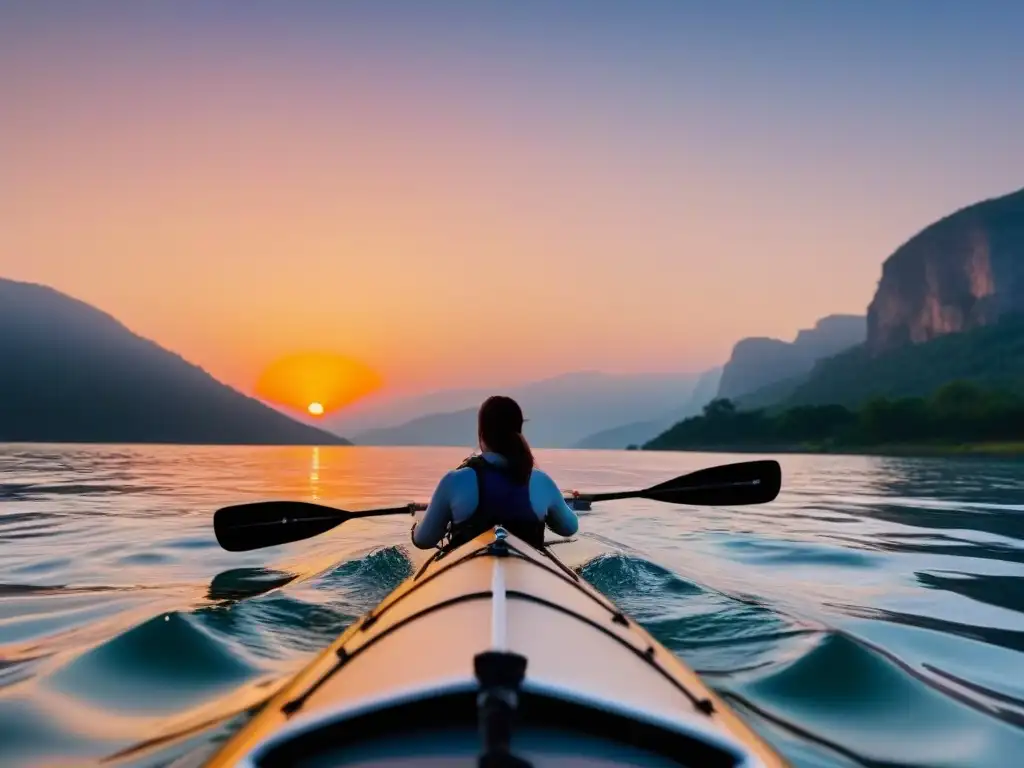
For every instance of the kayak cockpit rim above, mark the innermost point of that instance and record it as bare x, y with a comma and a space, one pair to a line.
567, 711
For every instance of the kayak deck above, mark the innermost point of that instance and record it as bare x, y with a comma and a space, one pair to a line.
491, 649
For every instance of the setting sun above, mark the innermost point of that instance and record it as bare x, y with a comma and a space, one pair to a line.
317, 383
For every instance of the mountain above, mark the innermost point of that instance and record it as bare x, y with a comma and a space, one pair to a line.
758, 362
639, 432
560, 411
948, 307
378, 411
958, 418
454, 428
964, 271
776, 392
991, 356
71, 373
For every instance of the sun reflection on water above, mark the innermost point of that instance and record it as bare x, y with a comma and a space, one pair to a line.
314, 473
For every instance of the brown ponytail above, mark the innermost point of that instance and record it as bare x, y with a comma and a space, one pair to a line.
500, 427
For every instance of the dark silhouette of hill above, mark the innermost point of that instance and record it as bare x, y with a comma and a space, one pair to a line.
71, 373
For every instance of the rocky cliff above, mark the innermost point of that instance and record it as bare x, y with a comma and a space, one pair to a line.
962, 272
757, 362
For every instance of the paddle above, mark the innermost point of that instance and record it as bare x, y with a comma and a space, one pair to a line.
258, 524
727, 485
242, 527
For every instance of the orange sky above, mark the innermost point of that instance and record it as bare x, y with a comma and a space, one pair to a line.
447, 211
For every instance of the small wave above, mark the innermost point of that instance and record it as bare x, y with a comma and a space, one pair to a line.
145, 558
199, 542
190, 746
999, 591
43, 566
16, 590
28, 525
277, 626
865, 704
792, 553
275, 623
935, 544
161, 665
367, 580
240, 583
32, 736
1013, 713
620, 575
17, 491
38, 492
15, 670
716, 633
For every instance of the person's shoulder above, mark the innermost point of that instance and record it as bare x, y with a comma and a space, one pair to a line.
465, 468
541, 475
457, 475
542, 479
473, 461
455, 483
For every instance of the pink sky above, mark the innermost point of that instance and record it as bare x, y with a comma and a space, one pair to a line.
453, 214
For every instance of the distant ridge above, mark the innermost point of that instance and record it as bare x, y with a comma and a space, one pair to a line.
561, 410
71, 373
989, 356
639, 432
756, 363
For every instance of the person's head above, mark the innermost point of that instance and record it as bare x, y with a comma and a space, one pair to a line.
500, 429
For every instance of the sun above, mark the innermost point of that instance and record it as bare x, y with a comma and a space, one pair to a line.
316, 384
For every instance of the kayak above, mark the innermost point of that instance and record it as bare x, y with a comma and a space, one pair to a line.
496, 654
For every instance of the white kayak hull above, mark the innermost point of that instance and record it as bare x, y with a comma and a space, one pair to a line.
401, 686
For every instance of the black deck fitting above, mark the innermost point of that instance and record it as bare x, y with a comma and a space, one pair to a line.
500, 675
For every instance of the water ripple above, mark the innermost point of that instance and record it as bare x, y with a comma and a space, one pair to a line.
872, 615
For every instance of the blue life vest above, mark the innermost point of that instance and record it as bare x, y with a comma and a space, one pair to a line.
502, 501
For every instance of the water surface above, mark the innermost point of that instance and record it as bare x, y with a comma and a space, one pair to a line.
873, 614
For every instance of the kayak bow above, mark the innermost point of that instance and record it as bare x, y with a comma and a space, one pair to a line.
496, 654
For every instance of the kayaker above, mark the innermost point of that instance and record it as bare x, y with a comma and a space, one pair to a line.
500, 486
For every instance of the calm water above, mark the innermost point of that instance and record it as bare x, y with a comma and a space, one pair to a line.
873, 614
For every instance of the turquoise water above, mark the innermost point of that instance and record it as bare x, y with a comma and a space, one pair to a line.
873, 614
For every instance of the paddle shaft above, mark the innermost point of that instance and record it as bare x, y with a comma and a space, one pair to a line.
254, 525
407, 509
652, 493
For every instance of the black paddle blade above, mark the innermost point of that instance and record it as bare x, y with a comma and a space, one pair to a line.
729, 485
242, 527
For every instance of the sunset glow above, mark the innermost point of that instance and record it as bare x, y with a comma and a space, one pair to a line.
316, 383
623, 191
